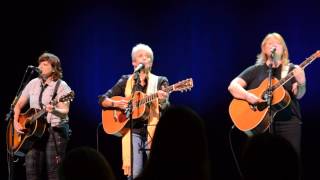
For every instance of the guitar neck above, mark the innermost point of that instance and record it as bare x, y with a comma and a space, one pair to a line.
290, 75
179, 86
66, 98
150, 98
38, 114
43, 111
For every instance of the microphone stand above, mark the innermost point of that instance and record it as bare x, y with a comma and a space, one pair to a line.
10, 120
129, 111
269, 91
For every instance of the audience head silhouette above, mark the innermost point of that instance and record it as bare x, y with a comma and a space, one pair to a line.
85, 163
268, 156
179, 149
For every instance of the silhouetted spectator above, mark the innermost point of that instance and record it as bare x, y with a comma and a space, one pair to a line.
179, 149
270, 157
85, 163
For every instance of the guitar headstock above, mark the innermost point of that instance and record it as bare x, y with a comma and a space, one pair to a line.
184, 85
67, 98
316, 54
310, 59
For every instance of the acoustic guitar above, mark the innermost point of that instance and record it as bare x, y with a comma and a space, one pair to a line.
115, 119
255, 119
34, 127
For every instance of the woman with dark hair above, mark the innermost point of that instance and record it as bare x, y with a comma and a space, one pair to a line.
45, 153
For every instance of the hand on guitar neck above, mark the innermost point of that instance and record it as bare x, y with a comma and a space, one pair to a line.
162, 95
123, 103
299, 75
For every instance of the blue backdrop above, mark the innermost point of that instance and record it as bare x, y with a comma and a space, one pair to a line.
209, 41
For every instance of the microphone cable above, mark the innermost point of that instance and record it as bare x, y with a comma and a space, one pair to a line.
97, 136
233, 153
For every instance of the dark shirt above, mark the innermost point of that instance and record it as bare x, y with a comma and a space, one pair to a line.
119, 90
255, 74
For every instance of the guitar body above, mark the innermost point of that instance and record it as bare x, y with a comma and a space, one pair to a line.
114, 119
34, 130
139, 109
255, 119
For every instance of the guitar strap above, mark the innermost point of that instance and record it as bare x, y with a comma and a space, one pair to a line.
43, 87
285, 70
56, 89
58, 158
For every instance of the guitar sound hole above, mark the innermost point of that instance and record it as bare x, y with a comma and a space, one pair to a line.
262, 106
29, 125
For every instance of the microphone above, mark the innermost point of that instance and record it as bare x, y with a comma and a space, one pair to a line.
35, 69
273, 51
139, 67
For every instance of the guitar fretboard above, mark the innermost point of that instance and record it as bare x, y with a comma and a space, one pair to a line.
290, 75
38, 115
65, 98
152, 97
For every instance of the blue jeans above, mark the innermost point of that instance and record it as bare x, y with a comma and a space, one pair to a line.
139, 154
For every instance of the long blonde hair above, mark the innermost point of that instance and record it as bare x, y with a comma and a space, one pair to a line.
262, 57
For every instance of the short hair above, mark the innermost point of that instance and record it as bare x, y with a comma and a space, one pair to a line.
139, 47
55, 63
